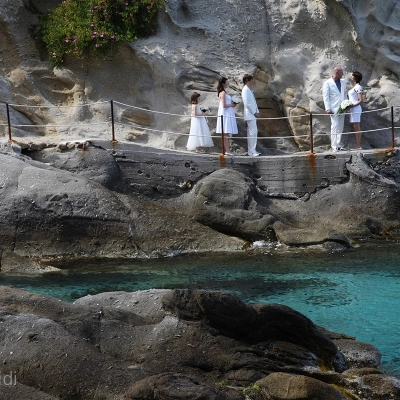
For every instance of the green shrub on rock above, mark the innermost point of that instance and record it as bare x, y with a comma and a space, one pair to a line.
95, 27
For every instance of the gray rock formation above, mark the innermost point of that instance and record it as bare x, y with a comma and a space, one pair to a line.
84, 200
290, 47
364, 205
46, 211
181, 344
279, 384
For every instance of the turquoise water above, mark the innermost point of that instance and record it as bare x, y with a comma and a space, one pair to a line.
355, 292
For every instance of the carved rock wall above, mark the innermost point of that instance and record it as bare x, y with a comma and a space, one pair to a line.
290, 47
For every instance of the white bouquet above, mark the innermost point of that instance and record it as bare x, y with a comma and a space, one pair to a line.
204, 109
236, 99
343, 106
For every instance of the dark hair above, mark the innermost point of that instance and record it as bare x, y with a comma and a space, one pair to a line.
247, 78
221, 83
193, 99
358, 76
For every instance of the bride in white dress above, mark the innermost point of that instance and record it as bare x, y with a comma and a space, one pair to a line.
356, 97
200, 135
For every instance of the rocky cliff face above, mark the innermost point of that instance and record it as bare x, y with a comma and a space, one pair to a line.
290, 47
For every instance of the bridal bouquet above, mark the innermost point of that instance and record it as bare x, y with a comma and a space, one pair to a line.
236, 99
343, 106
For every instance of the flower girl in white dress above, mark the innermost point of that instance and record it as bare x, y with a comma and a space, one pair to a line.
199, 135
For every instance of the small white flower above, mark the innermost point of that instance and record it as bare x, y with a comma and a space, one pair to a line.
343, 106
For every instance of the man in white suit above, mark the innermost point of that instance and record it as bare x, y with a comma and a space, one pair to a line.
250, 113
334, 92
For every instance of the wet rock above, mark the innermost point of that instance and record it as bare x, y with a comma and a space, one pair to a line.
179, 387
281, 386
380, 387
294, 235
13, 263
372, 384
333, 246
359, 354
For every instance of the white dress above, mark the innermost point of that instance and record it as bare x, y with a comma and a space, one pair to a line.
355, 112
200, 135
230, 126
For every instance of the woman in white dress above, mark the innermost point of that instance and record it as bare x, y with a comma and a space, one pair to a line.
226, 109
356, 97
200, 135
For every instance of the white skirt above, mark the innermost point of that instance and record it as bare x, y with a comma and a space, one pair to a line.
200, 135
355, 114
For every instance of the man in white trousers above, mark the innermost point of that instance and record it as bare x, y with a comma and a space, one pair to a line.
250, 113
334, 92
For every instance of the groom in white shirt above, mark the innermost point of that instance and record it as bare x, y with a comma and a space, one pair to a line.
250, 113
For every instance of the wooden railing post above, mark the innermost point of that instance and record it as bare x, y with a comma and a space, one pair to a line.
311, 134
112, 122
222, 135
8, 122
392, 112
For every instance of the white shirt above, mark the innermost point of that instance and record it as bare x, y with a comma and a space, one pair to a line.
353, 93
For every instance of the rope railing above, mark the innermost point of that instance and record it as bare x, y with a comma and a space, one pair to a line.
155, 112
370, 130
213, 136
362, 112
60, 125
60, 106
169, 132
218, 136
110, 120
206, 116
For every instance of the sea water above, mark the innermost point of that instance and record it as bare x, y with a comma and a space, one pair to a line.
355, 292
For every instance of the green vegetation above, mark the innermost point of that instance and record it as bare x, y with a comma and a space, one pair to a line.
251, 389
345, 392
84, 28
325, 365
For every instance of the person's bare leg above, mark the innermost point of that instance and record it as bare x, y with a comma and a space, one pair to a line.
226, 144
356, 127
